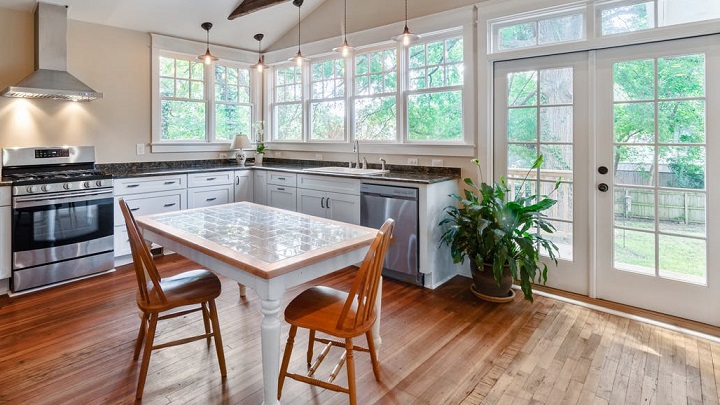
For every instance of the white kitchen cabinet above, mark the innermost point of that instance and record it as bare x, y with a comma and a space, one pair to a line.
244, 185
209, 196
5, 239
329, 197
283, 197
281, 191
260, 187
146, 196
206, 189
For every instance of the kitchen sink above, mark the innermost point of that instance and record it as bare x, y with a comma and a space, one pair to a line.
345, 170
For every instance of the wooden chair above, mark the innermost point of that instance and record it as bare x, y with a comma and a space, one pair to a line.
344, 315
156, 296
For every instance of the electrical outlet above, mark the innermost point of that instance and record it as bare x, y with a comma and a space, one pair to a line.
318, 156
437, 162
413, 161
140, 149
223, 155
278, 154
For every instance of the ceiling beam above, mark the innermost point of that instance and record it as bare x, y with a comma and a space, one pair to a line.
251, 6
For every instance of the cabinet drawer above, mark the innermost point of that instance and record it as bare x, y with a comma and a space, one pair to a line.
330, 184
210, 179
282, 179
147, 204
208, 196
149, 184
282, 197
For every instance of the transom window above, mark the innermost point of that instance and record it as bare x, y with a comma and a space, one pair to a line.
287, 108
630, 16
202, 103
565, 26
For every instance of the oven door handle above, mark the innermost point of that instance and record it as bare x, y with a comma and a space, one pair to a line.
26, 202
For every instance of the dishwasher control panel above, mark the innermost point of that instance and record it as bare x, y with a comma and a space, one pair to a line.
390, 191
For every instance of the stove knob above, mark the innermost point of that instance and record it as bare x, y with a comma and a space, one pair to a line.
98, 183
66, 186
45, 188
31, 189
86, 184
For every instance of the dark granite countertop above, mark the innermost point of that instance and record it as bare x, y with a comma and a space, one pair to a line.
412, 174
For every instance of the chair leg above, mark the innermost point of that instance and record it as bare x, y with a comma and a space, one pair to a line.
350, 362
373, 354
286, 359
149, 339
311, 343
218, 338
141, 336
206, 320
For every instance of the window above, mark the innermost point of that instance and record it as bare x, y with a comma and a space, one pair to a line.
434, 102
375, 95
327, 100
193, 95
287, 106
232, 102
182, 100
631, 16
538, 31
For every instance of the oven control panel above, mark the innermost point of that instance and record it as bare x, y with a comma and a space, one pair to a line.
61, 187
52, 153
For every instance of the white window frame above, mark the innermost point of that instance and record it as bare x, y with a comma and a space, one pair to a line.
429, 90
274, 103
213, 103
352, 97
535, 17
344, 98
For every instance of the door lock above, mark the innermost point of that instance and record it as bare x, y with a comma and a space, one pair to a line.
603, 187
602, 169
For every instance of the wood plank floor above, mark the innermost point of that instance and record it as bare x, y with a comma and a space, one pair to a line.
73, 345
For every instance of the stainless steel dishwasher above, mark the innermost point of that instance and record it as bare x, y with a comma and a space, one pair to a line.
380, 202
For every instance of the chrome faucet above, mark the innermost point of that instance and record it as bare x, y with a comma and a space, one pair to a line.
382, 162
356, 150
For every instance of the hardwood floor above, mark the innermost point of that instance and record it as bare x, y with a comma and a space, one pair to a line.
73, 345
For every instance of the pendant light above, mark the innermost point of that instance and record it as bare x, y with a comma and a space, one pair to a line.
260, 65
207, 57
406, 37
345, 48
299, 58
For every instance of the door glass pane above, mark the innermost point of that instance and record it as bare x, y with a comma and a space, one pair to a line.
682, 212
556, 124
634, 80
522, 124
634, 122
634, 208
682, 259
562, 237
681, 76
522, 88
635, 251
681, 121
556, 86
635, 165
522, 157
682, 167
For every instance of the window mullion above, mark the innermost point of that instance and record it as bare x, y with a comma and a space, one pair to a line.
209, 82
402, 71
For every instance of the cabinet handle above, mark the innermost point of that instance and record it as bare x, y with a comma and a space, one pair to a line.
167, 183
132, 185
211, 199
322, 202
134, 209
211, 178
281, 189
237, 180
169, 205
281, 178
327, 203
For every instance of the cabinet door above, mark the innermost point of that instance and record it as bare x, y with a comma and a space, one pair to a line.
243, 185
150, 203
209, 196
343, 207
259, 187
312, 202
5, 243
204, 179
122, 241
281, 197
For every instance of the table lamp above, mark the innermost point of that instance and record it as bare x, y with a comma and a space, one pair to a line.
239, 143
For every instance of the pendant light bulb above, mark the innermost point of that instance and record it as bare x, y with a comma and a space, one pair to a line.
298, 58
345, 48
406, 37
207, 57
260, 65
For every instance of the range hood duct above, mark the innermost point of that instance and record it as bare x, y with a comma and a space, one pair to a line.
51, 79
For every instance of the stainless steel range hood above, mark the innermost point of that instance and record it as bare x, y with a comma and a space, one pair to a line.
51, 79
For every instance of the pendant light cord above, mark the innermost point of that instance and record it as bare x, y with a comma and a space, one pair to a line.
345, 22
406, 12
299, 27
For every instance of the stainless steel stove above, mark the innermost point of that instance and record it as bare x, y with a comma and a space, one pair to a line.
62, 215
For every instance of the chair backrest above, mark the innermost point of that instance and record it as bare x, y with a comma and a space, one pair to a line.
145, 269
363, 291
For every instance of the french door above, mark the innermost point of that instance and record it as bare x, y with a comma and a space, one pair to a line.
657, 174
541, 108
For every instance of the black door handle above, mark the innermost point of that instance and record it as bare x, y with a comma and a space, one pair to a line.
603, 187
602, 169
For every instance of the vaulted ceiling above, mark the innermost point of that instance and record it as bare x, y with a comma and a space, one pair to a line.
182, 18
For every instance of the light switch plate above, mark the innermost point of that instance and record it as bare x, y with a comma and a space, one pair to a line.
318, 156
140, 149
413, 161
437, 162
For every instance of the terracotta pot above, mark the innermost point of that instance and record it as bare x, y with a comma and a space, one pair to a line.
484, 281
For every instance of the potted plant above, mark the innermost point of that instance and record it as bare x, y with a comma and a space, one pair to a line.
500, 235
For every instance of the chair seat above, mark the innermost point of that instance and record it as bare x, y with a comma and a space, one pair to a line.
187, 288
318, 308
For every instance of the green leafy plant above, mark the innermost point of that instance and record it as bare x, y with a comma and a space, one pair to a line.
260, 148
490, 228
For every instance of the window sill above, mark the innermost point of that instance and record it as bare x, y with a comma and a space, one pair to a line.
415, 149
168, 147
